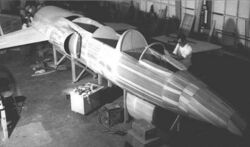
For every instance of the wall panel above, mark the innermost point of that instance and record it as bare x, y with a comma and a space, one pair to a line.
171, 11
231, 16
241, 26
219, 21
219, 6
244, 6
231, 7
190, 4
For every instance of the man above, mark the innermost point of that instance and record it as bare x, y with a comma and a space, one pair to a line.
183, 51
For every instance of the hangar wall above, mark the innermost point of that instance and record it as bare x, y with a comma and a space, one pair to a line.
231, 16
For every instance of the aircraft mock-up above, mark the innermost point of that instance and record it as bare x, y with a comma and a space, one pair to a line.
130, 63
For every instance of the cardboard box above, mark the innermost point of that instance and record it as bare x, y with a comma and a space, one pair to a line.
84, 103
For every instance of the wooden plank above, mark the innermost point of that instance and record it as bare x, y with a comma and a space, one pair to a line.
186, 24
198, 16
210, 35
178, 9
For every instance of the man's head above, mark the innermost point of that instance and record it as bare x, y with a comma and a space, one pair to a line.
181, 39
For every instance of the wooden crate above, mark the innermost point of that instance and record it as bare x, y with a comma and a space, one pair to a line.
86, 103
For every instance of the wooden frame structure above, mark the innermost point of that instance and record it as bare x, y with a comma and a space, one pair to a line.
74, 62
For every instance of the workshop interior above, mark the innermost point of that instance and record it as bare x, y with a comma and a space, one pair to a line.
124, 73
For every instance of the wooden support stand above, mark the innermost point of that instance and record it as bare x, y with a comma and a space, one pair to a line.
104, 82
56, 62
76, 77
74, 62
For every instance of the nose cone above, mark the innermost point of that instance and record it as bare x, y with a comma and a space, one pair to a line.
216, 111
202, 104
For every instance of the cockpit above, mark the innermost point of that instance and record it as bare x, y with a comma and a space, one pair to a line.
153, 56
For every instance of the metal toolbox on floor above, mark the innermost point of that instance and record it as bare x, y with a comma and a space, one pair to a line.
86, 98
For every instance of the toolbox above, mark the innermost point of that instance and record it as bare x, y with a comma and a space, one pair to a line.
113, 114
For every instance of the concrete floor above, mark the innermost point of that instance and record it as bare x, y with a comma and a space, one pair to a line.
47, 120
46, 117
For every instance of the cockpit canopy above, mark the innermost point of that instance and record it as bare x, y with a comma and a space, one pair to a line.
153, 56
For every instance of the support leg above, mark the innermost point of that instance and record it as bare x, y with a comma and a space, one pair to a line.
73, 69
76, 77
56, 62
74, 62
126, 116
176, 123
55, 55
3, 120
109, 83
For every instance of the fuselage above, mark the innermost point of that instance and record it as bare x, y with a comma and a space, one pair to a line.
177, 91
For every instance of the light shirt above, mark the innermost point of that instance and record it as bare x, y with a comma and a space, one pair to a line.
24, 26
184, 51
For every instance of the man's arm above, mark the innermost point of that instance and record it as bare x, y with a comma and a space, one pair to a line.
176, 48
174, 53
176, 57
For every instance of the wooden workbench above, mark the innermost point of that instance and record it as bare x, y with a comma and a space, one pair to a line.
197, 45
